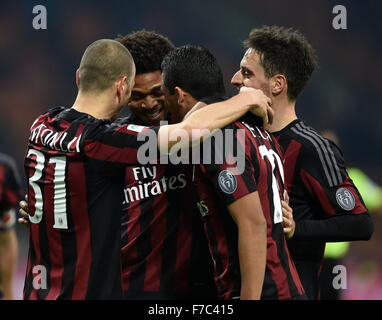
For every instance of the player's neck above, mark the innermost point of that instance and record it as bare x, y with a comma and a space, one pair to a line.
284, 114
98, 106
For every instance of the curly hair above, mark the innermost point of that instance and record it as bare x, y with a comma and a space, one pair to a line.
148, 49
284, 51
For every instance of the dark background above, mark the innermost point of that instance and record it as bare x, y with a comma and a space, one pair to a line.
37, 68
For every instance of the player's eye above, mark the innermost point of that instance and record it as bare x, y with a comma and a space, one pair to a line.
245, 72
156, 92
136, 96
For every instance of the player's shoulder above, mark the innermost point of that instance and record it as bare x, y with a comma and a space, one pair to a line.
52, 112
318, 154
313, 143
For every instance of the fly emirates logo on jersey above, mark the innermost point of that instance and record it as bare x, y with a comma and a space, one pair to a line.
148, 184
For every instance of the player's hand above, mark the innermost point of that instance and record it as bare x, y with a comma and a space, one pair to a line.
23, 211
261, 104
289, 224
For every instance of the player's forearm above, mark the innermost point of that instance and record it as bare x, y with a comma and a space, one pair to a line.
252, 255
8, 261
345, 227
202, 123
217, 115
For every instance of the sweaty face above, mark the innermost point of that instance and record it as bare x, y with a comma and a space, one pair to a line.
147, 100
251, 73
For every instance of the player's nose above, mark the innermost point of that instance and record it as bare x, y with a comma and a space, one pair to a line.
149, 102
237, 80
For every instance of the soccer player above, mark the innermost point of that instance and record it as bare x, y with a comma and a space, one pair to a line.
148, 49
326, 205
241, 211
10, 194
75, 164
164, 250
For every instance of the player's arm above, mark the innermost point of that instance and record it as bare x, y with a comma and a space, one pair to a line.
213, 117
343, 214
243, 203
117, 144
252, 244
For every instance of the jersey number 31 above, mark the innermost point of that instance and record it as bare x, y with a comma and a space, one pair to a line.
60, 217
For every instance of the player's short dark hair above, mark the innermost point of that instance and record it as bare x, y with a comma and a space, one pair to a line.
284, 51
195, 70
147, 48
104, 62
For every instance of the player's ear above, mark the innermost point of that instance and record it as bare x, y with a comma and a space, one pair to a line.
78, 78
180, 95
122, 88
278, 84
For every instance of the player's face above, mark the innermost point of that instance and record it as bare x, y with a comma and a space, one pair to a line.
147, 100
251, 73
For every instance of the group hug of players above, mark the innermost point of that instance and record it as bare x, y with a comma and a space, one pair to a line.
106, 226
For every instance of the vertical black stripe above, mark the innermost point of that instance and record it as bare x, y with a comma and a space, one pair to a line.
269, 290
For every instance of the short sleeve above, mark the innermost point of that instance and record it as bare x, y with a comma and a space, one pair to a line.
117, 144
233, 176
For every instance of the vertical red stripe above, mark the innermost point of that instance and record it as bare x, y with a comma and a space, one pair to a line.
290, 156
80, 216
317, 191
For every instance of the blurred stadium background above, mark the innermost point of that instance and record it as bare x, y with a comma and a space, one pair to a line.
37, 71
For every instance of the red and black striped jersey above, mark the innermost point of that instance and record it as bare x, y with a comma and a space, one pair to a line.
219, 185
75, 166
164, 250
165, 254
10, 191
319, 188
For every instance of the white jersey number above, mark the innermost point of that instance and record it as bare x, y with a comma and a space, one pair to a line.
274, 160
60, 216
